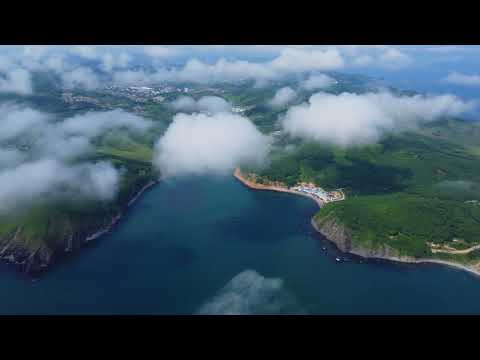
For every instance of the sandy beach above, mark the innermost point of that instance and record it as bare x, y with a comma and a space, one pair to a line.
257, 186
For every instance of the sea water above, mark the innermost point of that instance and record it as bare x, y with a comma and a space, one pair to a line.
209, 245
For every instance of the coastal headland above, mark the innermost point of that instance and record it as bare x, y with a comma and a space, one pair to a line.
33, 265
339, 236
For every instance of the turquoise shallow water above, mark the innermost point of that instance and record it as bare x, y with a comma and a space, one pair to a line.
210, 245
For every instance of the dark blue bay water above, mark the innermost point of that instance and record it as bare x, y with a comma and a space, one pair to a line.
210, 245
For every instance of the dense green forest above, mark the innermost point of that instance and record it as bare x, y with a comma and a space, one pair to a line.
409, 189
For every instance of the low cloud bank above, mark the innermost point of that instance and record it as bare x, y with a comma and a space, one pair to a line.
10, 158
381, 56
16, 67
289, 61
49, 165
462, 79
351, 119
68, 62
211, 104
319, 81
283, 97
81, 77
17, 81
50, 177
217, 143
96, 123
250, 293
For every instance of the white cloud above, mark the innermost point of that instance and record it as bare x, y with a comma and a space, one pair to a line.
99, 180
282, 97
55, 144
320, 81
110, 61
46, 169
223, 71
85, 51
363, 60
81, 77
16, 81
298, 60
463, 79
56, 63
10, 157
446, 49
383, 56
289, 61
199, 144
35, 51
211, 104
93, 124
394, 58
21, 123
160, 52
250, 293
17, 121
140, 77
350, 119
130, 77
37, 179
184, 103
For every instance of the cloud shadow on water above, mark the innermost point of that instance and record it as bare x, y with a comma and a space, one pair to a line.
249, 293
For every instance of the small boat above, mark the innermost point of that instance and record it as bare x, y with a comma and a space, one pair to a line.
324, 248
337, 259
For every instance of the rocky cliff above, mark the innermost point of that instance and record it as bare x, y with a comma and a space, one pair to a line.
340, 235
63, 235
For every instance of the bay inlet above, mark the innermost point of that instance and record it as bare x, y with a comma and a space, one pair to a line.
211, 245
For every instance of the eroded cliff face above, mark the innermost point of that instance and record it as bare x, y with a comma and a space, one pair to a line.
63, 235
16, 252
336, 232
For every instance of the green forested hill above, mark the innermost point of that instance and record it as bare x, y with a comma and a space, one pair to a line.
409, 189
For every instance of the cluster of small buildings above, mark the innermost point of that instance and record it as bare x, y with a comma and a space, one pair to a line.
71, 99
318, 192
143, 94
241, 109
238, 109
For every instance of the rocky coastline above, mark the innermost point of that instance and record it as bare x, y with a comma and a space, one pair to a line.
337, 234
33, 265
